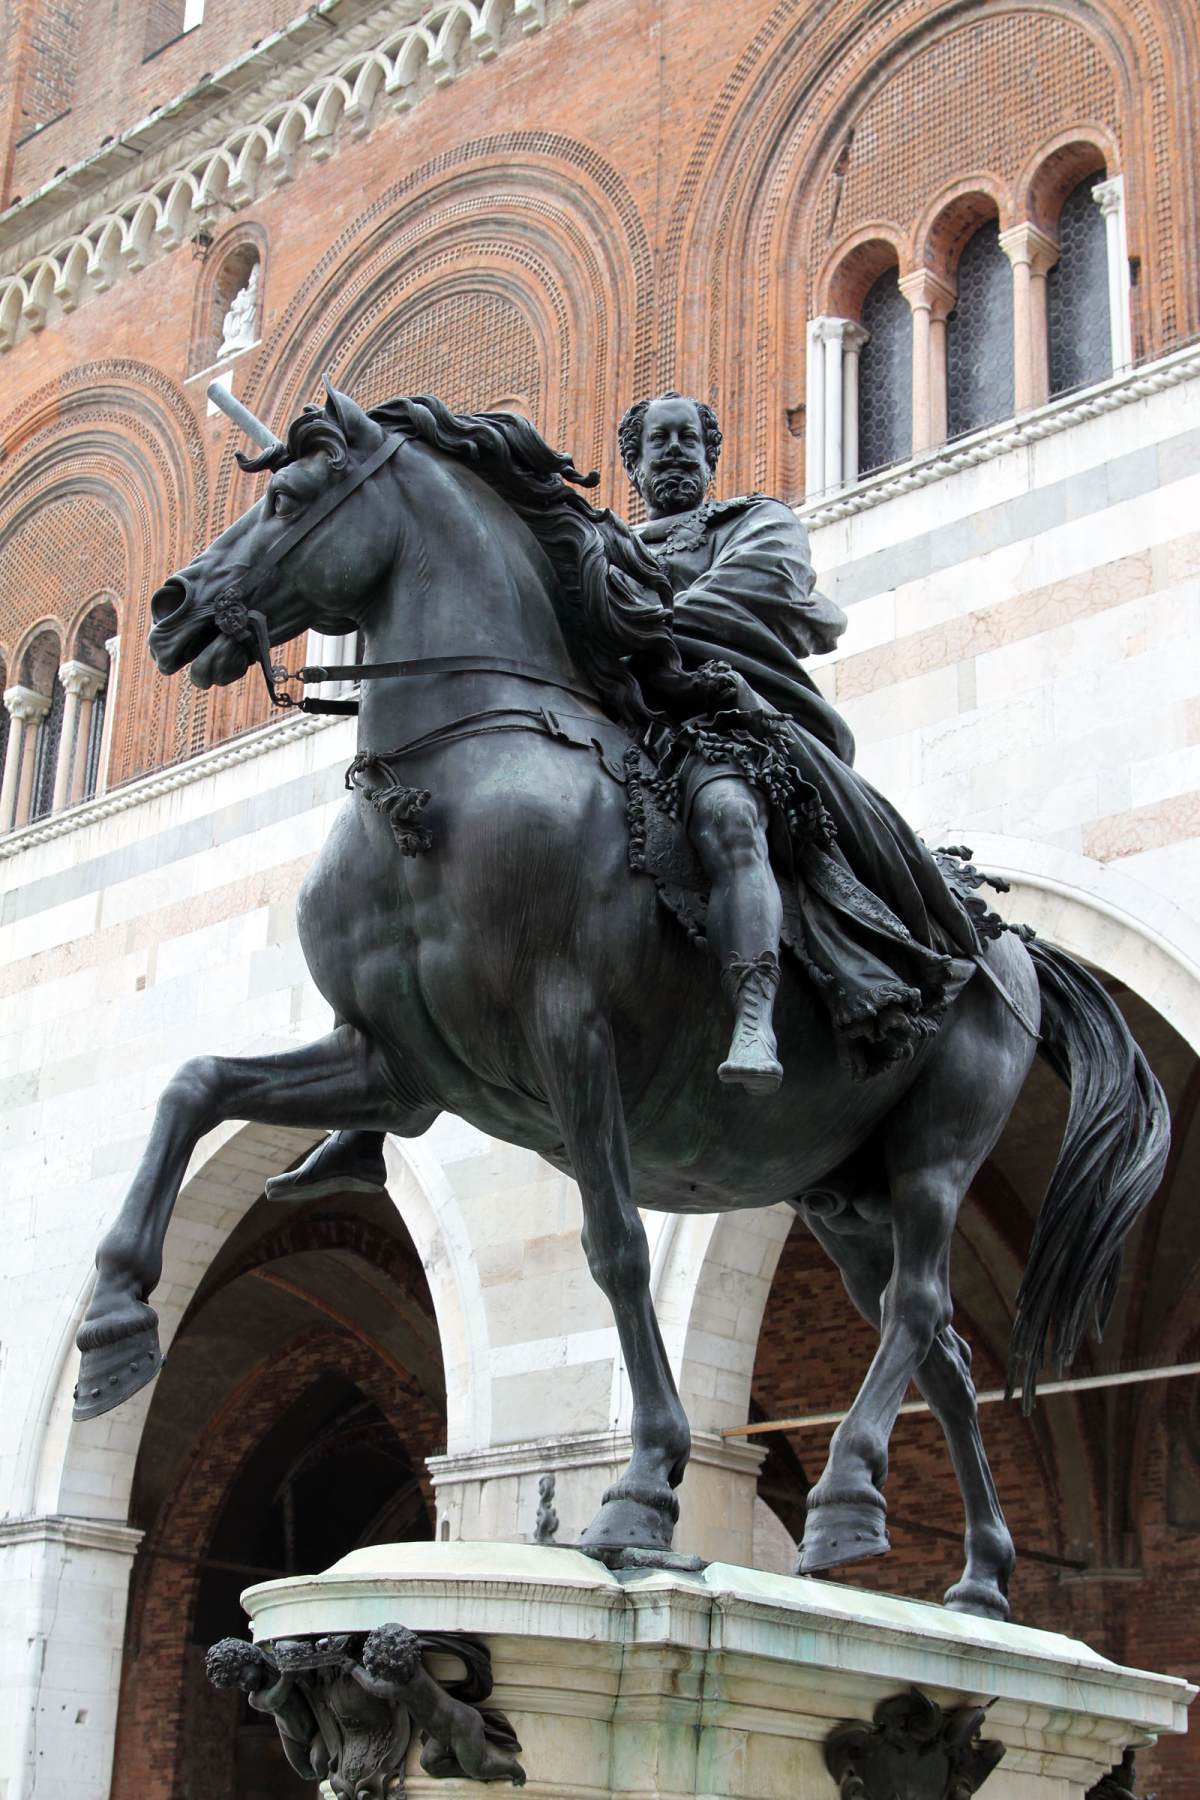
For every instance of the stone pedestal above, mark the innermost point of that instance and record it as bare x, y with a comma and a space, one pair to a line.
723, 1685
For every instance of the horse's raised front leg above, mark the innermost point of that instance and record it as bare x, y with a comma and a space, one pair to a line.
863, 1254
339, 1080
640, 1509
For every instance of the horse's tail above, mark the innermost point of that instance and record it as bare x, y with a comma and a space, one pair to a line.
1112, 1158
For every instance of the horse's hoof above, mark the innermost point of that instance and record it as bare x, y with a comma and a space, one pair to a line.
843, 1531
289, 1187
112, 1373
362, 1171
983, 1600
626, 1523
755, 1078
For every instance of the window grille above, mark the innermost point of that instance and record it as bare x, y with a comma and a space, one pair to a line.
46, 754
1077, 305
885, 376
979, 336
95, 740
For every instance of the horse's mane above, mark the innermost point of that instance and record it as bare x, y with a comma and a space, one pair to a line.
613, 597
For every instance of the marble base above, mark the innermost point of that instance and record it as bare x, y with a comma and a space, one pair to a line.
723, 1685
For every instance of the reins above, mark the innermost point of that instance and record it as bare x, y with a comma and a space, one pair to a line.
423, 665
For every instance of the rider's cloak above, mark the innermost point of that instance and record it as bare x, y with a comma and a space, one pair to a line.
883, 934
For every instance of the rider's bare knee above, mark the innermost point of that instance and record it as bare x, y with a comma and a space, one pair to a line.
728, 827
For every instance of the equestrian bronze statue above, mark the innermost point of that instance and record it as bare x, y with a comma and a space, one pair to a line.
607, 886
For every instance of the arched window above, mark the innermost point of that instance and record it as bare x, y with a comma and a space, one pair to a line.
39, 675
979, 335
1077, 302
885, 375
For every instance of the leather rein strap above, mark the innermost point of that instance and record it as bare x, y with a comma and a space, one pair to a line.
425, 665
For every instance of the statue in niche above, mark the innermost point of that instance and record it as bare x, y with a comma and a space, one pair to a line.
239, 329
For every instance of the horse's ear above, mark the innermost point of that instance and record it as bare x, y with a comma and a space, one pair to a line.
359, 431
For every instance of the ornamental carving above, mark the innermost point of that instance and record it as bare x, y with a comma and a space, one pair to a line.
346, 1706
912, 1751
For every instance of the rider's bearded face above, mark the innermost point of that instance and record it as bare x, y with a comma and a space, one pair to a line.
673, 470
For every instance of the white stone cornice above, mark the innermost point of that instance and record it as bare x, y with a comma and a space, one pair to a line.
1011, 434
71, 1533
167, 781
151, 189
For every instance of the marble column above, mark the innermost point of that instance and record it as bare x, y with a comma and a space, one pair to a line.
27, 708
1032, 255
831, 410
931, 300
64, 1583
853, 338
814, 410
1110, 198
112, 646
82, 683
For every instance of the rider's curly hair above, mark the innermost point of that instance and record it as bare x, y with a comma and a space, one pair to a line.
632, 426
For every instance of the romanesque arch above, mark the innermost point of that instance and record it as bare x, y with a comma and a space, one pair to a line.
106, 489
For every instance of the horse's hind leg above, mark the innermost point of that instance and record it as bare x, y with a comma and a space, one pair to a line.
864, 1257
339, 1080
579, 1068
932, 1143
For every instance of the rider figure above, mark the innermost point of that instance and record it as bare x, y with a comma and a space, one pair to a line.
884, 938
670, 447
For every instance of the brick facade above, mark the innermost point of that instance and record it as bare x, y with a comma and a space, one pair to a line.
746, 163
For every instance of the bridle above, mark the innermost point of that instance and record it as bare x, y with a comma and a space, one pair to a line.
233, 614
245, 624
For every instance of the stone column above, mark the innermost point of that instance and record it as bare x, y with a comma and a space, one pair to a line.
64, 1584
831, 413
82, 684
1032, 255
27, 708
1110, 198
814, 410
853, 338
931, 300
113, 647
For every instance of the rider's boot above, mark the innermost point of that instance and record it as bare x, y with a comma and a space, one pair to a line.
752, 1062
347, 1162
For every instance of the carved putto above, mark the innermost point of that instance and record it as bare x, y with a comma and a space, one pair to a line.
346, 1704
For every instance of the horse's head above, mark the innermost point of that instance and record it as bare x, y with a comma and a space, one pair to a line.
309, 553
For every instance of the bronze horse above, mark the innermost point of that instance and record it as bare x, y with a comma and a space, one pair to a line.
509, 968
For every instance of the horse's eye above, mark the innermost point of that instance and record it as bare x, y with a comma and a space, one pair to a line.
284, 505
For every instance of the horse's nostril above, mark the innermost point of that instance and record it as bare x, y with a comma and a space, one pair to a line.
167, 599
